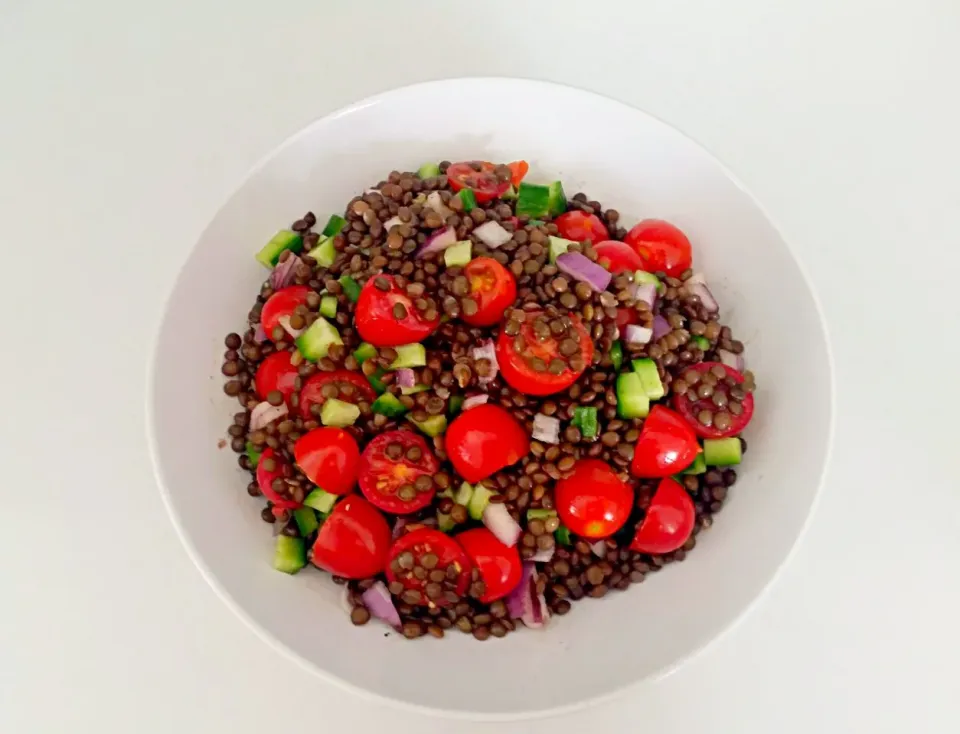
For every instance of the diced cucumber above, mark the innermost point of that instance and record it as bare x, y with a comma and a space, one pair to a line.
456, 402
350, 287
316, 341
378, 385
429, 170
320, 501
433, 426
642, 276
389, 405
632, 400
468, 199
701, 341
409, 355
533, 200
616, 355
413, 390
463, 495
328, 306
540, 514
324, 253
335, 226
306, 520
722, 451
585, 418
510, 194
364, 352
290, 554
479, 501
557, 200
699, 465
536, 222
457, 255
283, 240
445, 523
649, 377
558, 246
338, 413
562, 535
253, 454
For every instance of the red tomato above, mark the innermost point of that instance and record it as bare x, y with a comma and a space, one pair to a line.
266, 478
617, 257
434, 586
484, 440
518, 169
276, 373
352, 542
625, 317
592, 501
394, 471
329, 457
375, 319
494, 289
661, 246
669, 520
690, 409
579, 226
529, 370
352, 387
282, 303
479, 176
499, 565
666, 445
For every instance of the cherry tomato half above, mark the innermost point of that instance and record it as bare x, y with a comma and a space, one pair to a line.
282, 303
269, 470
351, 387
376, 315
592, 501
544, 364
435, 553
666, 445
329, 457
518, 169
579, 226
484, 440
625, 317
499, 565
479, 176
353, 541
669, 520
617, 257
276, 372
690, 406
661, 246
492, 287
396, 472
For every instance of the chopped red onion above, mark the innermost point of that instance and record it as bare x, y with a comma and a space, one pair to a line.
492, 234
696, 278
599, 548
638, 334
474, 400
391, 223
699, 288
260, 334
435, 202
264, 414
661, 327
498, 521
406, 377
283, 274
285, 323
379, 603
546, 428
582, 268
731, 360
489, 352
543, 556
646, 292
398, 527
437, 242
524, 603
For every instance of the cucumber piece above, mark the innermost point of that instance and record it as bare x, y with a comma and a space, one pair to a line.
284, 240
445, 523
649, 377
290, 554
468, 199
479, 501
632, 400
701, 341
335, 226
324, 253
364, 352
350, 287
458, 254
722, 451
338, 413
409, 355
533, 200
328, 307
378, 385
562, 535
538, 514
558, 246
315, 342
616, 355
253, 453
433, 426
306, 520
699, 465
320, 501
413, 390
389, 405
585, 418
429, 170
642, 276
556, 200
456, 402
510, 194
463, 495
536, 222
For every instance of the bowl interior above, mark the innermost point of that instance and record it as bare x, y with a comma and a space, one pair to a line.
625, 159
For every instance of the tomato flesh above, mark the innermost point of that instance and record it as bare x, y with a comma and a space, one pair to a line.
492, 287
690, 407
376, 315
667, 444
537, 362
661, 246
276, 372
351, 387
329, 457
479, 176
669, 520
282, 303
396, 472
435, 553
617, 257
266, 478
499, 565
484, 440
353, 541
579, 226
518, 170
593, 502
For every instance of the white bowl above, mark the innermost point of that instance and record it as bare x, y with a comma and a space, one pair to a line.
627, 160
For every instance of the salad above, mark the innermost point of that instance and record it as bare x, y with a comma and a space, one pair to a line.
473, 401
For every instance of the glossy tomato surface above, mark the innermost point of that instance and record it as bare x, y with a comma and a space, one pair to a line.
499, 565
617, 257
479, 176
435, 553
353, 541
579, 226
518, 171
669, 520
376, 315
329, 457
270, 470
661, 246
396, 472
283, 303
484, 440
737, 407
492, 287
276, 372
592, 502
667, 444
345, 385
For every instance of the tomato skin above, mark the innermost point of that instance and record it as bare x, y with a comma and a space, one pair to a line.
484, 440
666, 445
276, 372
580, 226
485, 184
448, 551
688, 408
625, 317
353, 541
265, 480
382, 477
593, 502
661, 246
311, 393
518, 169
282, 303
329, 457
376, 323
618, 257
669, 520
520, 376
499, 565
494, 289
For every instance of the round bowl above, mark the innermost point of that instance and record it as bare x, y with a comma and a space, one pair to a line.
625, 159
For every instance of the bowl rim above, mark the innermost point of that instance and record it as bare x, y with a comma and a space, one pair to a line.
460, 714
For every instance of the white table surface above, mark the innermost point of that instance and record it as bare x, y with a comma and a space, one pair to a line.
123, 127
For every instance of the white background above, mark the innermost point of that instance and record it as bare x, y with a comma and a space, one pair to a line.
124, 125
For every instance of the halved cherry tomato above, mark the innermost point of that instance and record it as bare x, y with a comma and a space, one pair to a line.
352, 542
484, 440
396, 472
434, 552
546, 363
499, 565
661, 246
666, 445
592, 501
352, 387
492, 287
579, 226
518, 169
267, 476
617, 257
376, 315
479, 176
329, 457
690, 409
276, 372
282, 303
669, 520
625, 317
